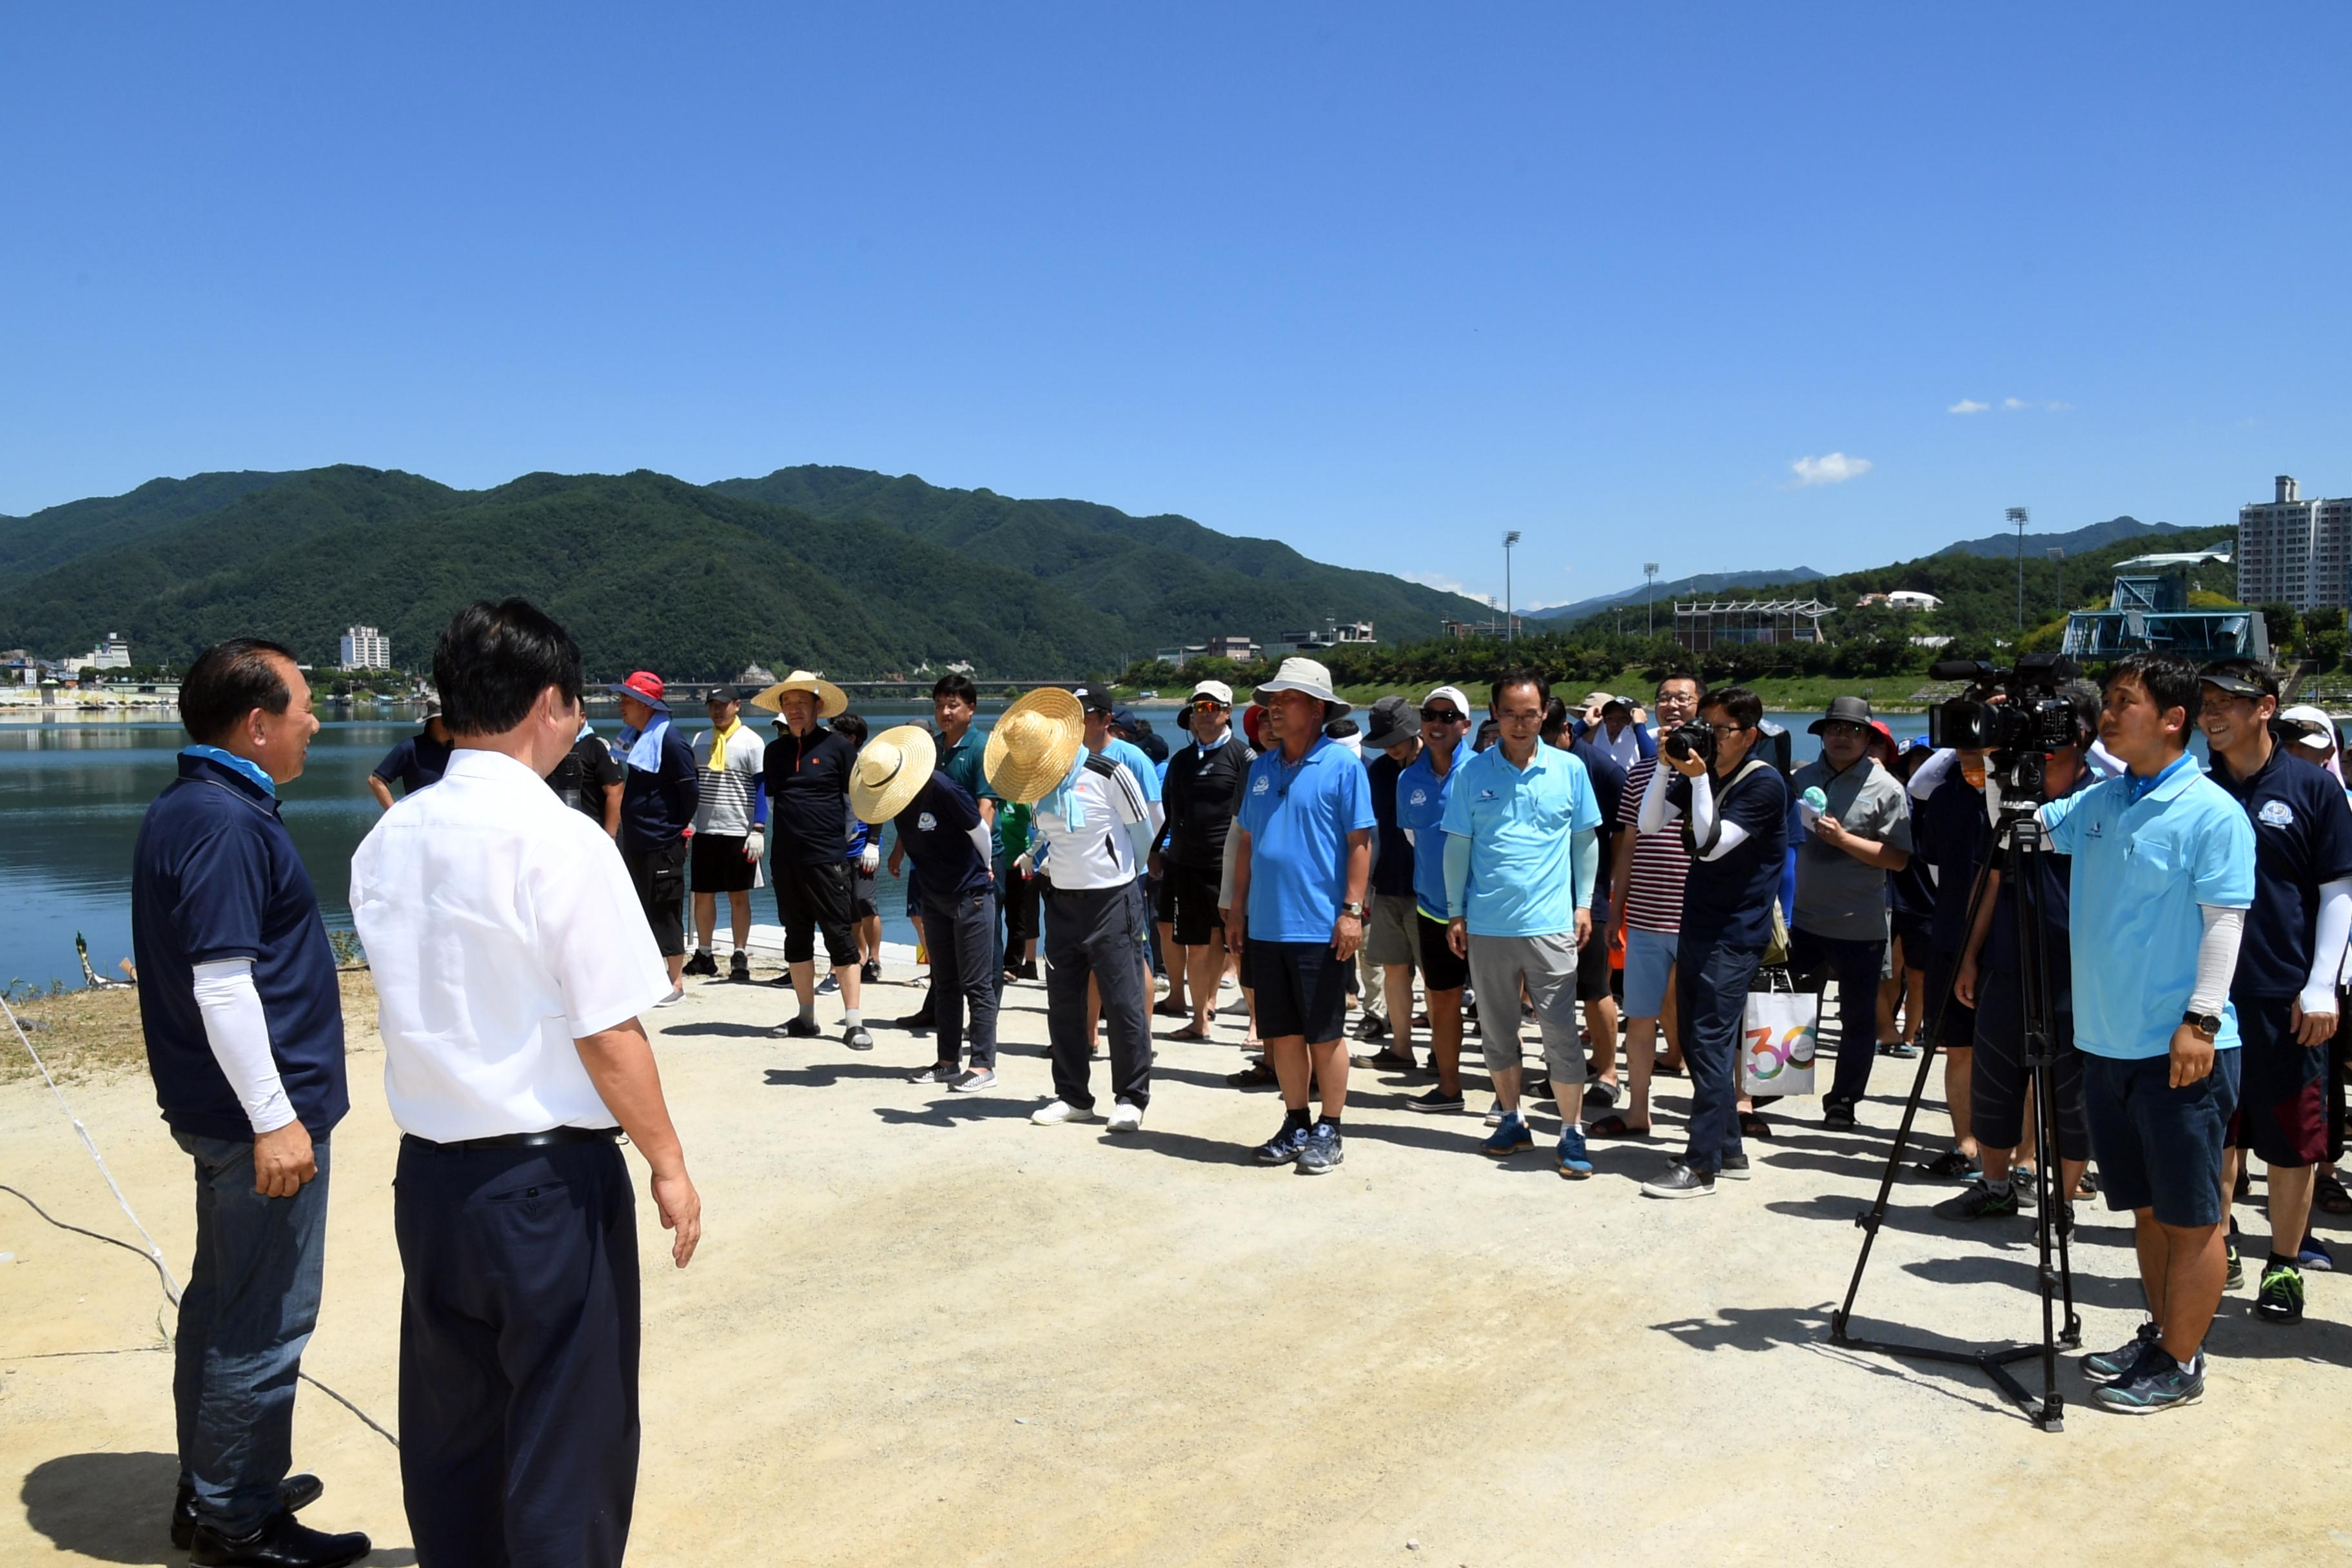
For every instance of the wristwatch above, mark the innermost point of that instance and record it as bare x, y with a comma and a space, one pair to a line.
2206, 1024
1352, 908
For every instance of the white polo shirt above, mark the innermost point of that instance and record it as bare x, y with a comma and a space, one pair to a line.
1102, 853
501, 928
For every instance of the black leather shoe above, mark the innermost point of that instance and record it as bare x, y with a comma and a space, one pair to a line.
282, 1542
295, 1493
916, 1022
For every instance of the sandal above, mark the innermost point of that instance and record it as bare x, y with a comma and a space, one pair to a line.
1257, 1075
1665, 1069
1190, 1034
2329, 1194
1614, 1126
1752, 1125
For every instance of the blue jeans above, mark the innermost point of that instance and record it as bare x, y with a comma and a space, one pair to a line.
1711, 981
251, 1302
1855, 966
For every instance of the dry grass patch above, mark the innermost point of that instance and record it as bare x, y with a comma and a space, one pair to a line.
96, 1034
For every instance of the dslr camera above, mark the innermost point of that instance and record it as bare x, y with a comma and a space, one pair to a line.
1691, 737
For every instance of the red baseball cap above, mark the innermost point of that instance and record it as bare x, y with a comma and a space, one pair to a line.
647, 687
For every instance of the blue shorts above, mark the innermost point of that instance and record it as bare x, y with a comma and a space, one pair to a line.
1649, 960
2159, 1147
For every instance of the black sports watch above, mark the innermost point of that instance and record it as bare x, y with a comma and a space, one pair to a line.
2206, 1024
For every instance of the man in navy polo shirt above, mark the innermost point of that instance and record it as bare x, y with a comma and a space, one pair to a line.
1423, 792
1522, 852
245, 1038
1300, 870
2163, 873
1736, 817
2283, 991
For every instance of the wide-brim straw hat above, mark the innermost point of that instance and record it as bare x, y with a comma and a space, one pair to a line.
1034, 745
1308, 676
831, 700
890, 771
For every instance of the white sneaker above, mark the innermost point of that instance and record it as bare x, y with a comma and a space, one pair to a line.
1126, 1117
673, 999
1054, 1112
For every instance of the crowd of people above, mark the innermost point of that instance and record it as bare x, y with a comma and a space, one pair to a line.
1624, 874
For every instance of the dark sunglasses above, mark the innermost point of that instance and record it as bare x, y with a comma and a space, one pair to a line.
1442, 716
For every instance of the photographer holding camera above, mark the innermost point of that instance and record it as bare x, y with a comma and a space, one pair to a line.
2163, 874
1734, 811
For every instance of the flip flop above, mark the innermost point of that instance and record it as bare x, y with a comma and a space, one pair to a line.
1751, 1125
1190, 1033
2328, 1194
1661, 1067
1613, 1126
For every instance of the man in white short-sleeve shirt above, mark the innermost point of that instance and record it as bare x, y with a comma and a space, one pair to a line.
511, 960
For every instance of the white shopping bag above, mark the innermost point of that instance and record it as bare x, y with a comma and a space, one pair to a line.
1776, 1051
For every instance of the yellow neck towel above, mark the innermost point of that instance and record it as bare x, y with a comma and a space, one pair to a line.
719, 746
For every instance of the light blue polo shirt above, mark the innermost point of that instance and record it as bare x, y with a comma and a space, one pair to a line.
1139, 763
1298, 818
1421, 811
1519, 822
2141, 868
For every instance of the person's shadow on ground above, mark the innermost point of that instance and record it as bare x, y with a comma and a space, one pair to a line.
117, 1508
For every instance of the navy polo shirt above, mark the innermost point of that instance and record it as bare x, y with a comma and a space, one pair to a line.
214, 876
1949, 831
1391, 851
1728, 901
416, 761
936, 828
1607, 777
2303, 840
657, 808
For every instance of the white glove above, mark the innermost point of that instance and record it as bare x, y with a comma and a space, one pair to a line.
1020, 864
869, 860
755, 844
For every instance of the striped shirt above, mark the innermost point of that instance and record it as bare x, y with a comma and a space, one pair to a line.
1653, 894
1102, 853
725, 810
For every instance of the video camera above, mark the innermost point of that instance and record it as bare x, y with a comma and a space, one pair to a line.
2031, 718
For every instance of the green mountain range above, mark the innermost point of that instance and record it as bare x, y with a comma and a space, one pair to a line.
855, 572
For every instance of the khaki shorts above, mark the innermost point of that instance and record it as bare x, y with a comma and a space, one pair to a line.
1389, 930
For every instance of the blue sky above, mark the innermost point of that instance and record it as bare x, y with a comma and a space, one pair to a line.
1696, 284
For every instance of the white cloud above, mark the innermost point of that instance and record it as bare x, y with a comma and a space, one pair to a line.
2014, 404
1442, 584
2020, 404
1968, 406
1834, 469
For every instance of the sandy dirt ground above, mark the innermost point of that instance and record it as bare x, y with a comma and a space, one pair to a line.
921, 1331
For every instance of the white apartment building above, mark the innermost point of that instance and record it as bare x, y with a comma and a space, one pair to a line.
364, 647
114, 653
2295, 552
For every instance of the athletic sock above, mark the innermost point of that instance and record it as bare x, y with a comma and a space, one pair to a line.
1330, 1119
2278, 1262
849, 1019
702, 953
1999, 1189
1294, 1120
808, 1012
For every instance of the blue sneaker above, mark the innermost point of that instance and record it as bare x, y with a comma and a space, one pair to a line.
1321, 1151
2314, 1257
2157, 1383
1574, 1163
1510, 1136
1284, 1148
2106, 1366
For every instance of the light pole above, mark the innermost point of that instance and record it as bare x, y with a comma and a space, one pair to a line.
2059, 555
1510, 625
2016, 516
1650, 593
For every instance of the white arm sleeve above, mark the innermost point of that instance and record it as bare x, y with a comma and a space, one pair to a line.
2327, 940
240, 1035
1931, 772
1656, 810
2217, 958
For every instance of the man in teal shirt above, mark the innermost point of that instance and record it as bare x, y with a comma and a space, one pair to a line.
1522, 852
2163, 874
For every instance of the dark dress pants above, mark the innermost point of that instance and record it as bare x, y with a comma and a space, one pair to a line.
1097, 932
518, 1336
251, 1302
966, 975
1855, 966
1711, 983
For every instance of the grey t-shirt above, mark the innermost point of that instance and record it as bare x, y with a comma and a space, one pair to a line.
1837, 895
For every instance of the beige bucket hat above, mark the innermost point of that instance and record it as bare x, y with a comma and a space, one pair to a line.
831, 700
1033, 743
892, 771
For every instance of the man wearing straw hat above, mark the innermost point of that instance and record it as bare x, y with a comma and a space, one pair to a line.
1093, 829
807, 775
1300, 870
897, 779
658, 796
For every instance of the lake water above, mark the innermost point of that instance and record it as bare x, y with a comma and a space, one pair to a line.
72, 794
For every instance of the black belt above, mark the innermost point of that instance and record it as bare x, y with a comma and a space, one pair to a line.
524, 1139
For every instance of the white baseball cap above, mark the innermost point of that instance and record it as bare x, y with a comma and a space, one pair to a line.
1216, 689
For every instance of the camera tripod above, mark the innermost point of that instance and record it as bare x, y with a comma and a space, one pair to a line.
2018, 852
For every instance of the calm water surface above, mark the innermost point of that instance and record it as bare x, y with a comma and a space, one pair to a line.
71, 796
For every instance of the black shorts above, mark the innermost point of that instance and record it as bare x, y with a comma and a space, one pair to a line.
1440, 970
1996, 1075
1302, 990
2339, 1068
659, 877
861, 896
719, 866
1957, 1025
2282, 1087
1188, 901
1593, 970
2160, 1148
813, 899
1912, 933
